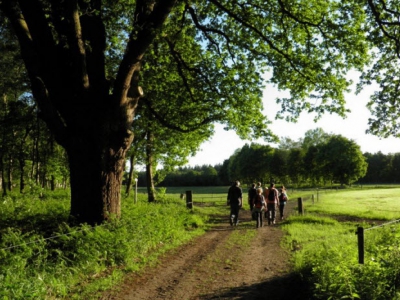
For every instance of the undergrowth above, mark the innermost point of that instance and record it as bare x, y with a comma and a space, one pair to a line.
42, 257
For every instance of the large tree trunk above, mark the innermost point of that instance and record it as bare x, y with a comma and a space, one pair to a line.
70, 85
96, 179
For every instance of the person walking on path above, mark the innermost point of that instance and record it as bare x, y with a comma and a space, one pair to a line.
235, 201
259, 205
271, 194
251, 194
259, 186
283, 198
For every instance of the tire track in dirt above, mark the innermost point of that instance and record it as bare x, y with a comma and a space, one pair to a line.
174, 277
259, 267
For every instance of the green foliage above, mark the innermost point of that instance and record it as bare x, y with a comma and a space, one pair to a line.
342, 160
205, 175
321, 159
42, 257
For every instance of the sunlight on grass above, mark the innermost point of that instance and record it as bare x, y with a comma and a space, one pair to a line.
324, 245
364, 204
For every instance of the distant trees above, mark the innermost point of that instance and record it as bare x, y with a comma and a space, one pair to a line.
28, 154
205, 175
382, 168
341, 160
317, 159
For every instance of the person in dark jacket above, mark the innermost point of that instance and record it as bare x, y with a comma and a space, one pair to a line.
251, 194
235, 201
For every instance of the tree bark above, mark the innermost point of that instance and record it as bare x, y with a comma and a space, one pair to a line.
96, 177
21, 176
3, 181
149, 168
9, 173
130, 174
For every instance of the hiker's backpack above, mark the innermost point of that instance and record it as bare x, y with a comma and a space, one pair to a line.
259, 201
282, 197
271, 195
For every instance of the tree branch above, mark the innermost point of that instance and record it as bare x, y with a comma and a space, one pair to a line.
380, 23
260, 34
148, 21
169, 125
76, 42
205, 30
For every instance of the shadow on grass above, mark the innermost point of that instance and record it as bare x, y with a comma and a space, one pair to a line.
44, 224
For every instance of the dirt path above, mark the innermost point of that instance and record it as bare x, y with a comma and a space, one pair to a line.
211, 267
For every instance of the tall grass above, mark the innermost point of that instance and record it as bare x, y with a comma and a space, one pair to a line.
42, 257
324, 245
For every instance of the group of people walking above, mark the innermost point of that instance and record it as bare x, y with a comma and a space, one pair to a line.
263, 202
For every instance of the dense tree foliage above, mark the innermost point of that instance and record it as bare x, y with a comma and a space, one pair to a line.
341, 160
205, 175
382, 168
332, 159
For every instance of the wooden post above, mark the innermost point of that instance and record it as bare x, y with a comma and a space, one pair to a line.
312, 198
300, 205
136, 180
189, 203
360, 238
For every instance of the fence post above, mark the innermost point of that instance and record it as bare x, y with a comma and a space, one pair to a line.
317, 195
360, 239
300, 205
189, 203
312, 198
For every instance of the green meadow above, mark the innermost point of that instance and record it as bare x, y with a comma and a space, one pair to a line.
324, 246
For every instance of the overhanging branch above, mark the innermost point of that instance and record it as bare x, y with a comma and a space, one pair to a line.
169, 125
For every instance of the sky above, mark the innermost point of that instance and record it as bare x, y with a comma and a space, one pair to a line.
224, 143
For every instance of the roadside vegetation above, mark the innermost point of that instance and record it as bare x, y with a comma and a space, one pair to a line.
324, 244
42, 257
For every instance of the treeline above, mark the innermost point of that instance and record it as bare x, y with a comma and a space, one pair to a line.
382, 168
319, 159
205, 175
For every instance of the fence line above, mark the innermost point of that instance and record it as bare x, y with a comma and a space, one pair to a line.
359, 232
384, 224
361, 238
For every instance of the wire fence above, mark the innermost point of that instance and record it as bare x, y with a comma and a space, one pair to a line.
360, 230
